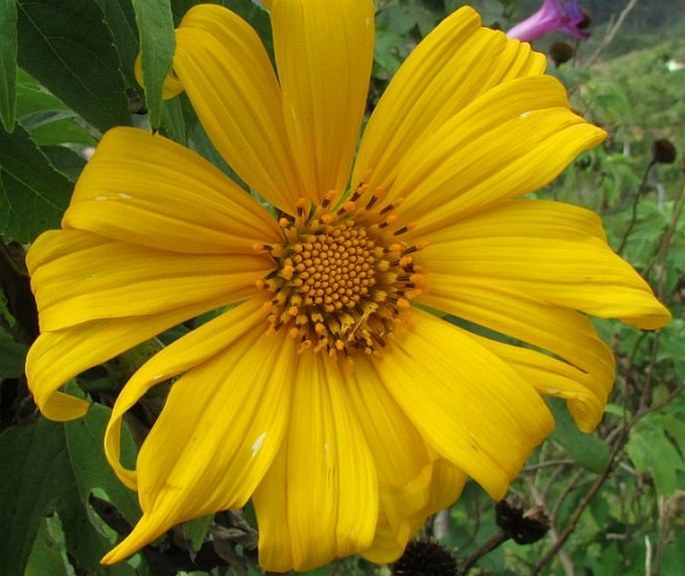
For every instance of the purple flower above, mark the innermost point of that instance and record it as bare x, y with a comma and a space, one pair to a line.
566, 16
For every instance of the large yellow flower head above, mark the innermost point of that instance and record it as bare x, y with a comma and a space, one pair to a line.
331, 390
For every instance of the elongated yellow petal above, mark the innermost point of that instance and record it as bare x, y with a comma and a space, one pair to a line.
583, 274
402, 459
225, 419
513, 139
564, 332
520, 218
330, 497
457, 62
56, 357
148, 190
586, 396
470, 406
228, 77
324, 52
193, 349
78, 277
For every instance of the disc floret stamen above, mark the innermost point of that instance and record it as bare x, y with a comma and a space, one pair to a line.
343, 275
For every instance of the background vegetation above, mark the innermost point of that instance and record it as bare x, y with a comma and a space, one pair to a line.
615, 499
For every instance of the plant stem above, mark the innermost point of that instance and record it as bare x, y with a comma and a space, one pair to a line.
636, 199
485, 549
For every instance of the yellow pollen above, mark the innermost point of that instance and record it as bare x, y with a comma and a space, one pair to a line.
342, 276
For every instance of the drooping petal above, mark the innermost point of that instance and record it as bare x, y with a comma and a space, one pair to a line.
446, 483
584, 372
192, 350
457, 62
324, 52
225, 419
319, 500
513, 139
56, 357
551, 253
80, 277
145, 189
473, 409
586, 395
230, 81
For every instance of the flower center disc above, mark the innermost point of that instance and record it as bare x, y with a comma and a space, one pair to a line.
342, 279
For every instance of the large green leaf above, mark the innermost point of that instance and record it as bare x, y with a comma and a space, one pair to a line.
69, 49
8, 62
33, 194
51, 468
157, 43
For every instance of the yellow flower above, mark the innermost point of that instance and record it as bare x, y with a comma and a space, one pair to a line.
330, 390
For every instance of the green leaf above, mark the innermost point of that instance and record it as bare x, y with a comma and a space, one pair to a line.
69, 49
8, 62
173, 121
12, 356
33, 194
55, 128
656, 447
196, 530
65, 160
51, 468
157, 43
121, 21
32, 97
586, 449
48, 555
48, 120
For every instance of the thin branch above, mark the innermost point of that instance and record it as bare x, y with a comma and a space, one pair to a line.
636, 200
611, 33
485, 549
667, 237
600, 480
548, 464
564, 559
665, 505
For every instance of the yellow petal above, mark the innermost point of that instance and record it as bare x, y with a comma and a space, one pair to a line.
78, 277
325, 486
324, 52
446, 483
473, 409
402, 459
583, 274
513, 139
145, 189
521, 218
586, 396
228, 77
56, 357
172, 87
225, 419
452, 66
271, 501
564, 332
